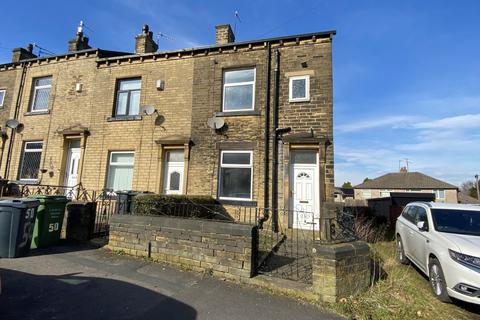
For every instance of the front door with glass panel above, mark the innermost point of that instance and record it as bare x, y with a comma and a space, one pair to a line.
304, 190
173, 177
72, 164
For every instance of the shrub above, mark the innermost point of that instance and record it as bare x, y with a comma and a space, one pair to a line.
187, 206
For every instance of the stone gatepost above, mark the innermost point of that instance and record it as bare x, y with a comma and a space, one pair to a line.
340, 270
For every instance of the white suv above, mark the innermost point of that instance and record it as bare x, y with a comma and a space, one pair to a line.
443, 240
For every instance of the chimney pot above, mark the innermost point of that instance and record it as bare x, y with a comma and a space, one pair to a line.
80, 42
19, 54
144, 42
224, 34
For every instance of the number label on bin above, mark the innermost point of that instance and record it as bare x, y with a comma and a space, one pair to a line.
27, 232
53, 227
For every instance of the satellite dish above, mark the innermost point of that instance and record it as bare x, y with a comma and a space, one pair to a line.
148, 110
12, 124
159, 120
215, 122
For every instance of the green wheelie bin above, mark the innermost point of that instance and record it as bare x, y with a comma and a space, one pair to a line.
48, 224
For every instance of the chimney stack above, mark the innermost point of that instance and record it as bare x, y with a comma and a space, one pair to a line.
144, 42
224, 34
80, 42
19, 54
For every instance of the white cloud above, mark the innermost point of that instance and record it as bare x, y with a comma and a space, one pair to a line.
391, 121
467, 121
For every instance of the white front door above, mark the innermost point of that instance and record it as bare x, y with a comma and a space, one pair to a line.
173, 174
304, 190
72, 164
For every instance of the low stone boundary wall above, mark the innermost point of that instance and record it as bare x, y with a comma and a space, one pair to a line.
341, 270
222, 249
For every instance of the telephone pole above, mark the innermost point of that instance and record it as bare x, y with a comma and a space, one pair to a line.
478, 189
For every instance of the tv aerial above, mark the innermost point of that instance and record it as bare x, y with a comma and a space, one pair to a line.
216, 122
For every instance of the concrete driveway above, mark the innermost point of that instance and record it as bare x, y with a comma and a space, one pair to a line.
74, 282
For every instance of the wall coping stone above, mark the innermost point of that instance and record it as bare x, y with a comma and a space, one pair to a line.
340, 250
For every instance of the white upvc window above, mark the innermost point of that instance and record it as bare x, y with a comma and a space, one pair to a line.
236, 175
30, 164
120, 170
41, 94
2, 97
385, 193
238, 90
439, 194
367, 194
299, 88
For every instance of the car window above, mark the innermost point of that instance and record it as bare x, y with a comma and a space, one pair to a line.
409, 214
421, 215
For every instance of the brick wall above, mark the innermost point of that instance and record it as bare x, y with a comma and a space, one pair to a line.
221, 249
192, 94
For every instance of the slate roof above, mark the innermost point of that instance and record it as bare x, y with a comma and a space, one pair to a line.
405, 180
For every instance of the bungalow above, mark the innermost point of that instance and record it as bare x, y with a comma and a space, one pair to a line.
404, 181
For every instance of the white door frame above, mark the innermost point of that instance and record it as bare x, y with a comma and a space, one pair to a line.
312, 223
72, 165
171, 167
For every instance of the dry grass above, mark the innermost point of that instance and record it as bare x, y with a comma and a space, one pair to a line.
403, 294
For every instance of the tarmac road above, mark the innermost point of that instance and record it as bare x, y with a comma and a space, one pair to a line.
75, 282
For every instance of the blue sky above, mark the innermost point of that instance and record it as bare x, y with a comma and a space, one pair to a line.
406, 73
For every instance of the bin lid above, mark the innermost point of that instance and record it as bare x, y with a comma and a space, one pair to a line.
21, 203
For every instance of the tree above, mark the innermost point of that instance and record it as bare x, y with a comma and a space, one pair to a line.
347, 184
469, 187
366, 179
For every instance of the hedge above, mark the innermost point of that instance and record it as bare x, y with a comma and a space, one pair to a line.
187, 206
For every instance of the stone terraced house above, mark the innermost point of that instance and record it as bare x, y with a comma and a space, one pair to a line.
249, 123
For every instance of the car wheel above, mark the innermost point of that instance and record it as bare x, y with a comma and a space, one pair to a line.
437, 281
400, 252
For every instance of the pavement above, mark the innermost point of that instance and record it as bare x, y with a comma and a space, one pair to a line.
81, 282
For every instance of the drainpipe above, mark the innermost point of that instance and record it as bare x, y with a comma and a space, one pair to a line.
275, 144
15, 116
266, 139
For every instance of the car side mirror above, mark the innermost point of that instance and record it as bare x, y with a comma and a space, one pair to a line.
422, 226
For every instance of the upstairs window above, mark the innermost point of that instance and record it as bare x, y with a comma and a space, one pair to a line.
128, 97
2, 97
120, 171
30, 164
299, 88
239, 90
41, 94
235, 180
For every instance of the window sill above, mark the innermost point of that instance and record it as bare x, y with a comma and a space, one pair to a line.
124, 118
34, 113
237, 113
298, 100
31, 182
245, 203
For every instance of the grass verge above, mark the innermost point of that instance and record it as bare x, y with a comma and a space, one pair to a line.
404, 293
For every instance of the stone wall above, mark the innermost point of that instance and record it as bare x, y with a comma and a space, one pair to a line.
224, 250
340, 270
